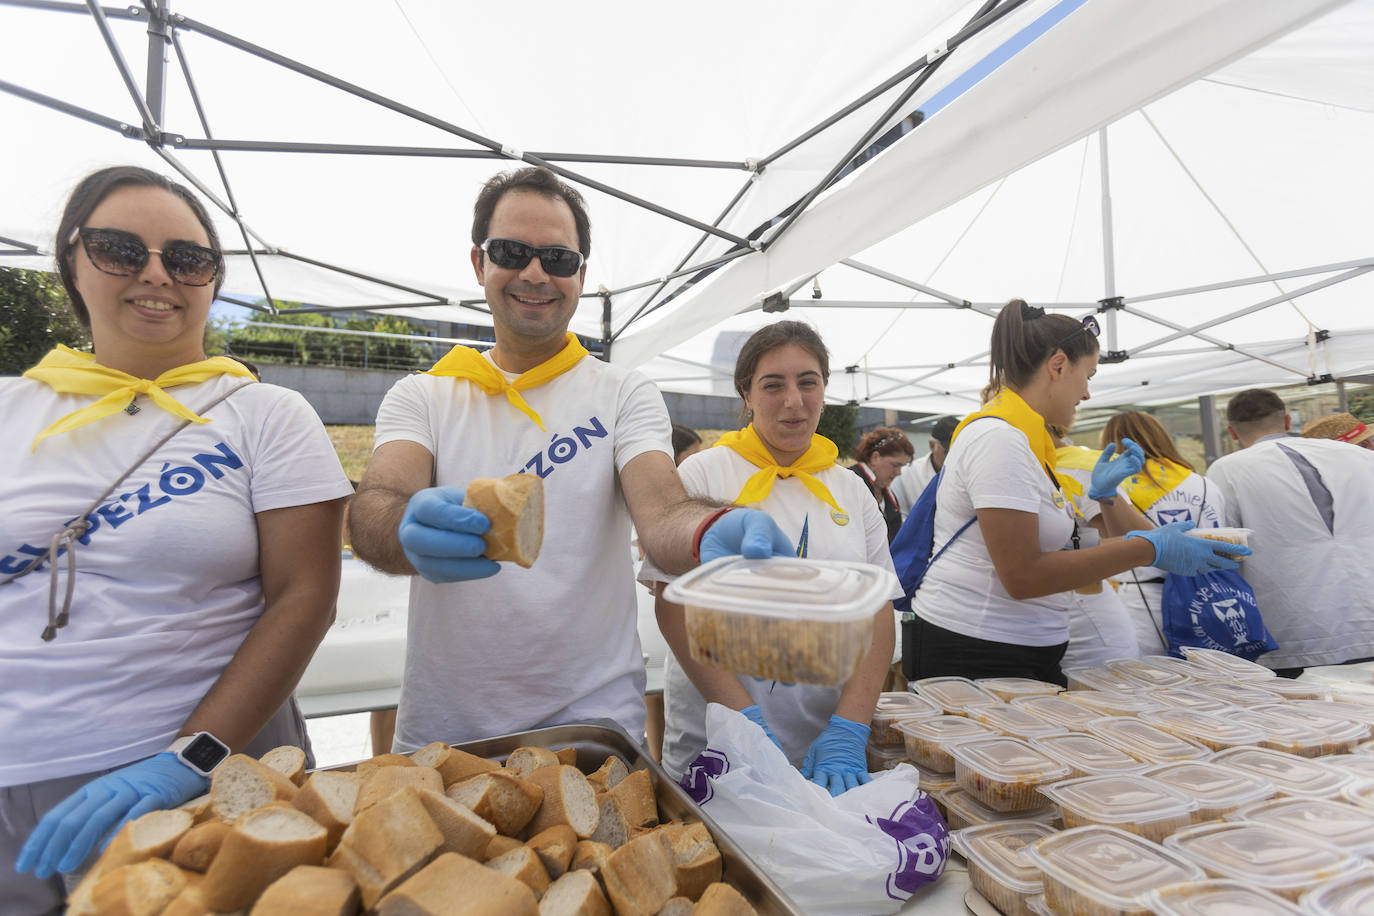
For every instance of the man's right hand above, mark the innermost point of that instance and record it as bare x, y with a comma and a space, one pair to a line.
442, 538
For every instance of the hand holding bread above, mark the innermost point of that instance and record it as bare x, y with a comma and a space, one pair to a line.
449, 535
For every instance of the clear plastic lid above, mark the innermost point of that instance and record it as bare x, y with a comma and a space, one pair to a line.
1211, 729
1086, 755
1296, 776
1282, 734
1186, 698
1352, 895
1217, 897
1067, 713
1122, 798
1145, 742
786, 587
1178, 665
1144, 673
1089, 678
931, 781
1339, 824
942, 729
1009, 688
1013, 720
1262, 855
964, 806
897, 705
884, 756
1361, 765
1126, 702
1109, 866
999, 848
1298, 690
1239, 536
1008, 760
1329, 722
954, 695
1359, 792
1237, 668
1248, 694
1351, 712
1213, 787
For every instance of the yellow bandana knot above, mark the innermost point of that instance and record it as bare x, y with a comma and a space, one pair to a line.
1009, 406
820, 455
465, 362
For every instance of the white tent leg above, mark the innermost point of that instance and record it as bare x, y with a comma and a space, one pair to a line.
1211, 428
1108, 243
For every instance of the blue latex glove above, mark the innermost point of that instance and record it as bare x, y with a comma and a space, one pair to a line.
67, 834
745, 531
442, 538
1176, 551
755, 715
835, 761
1109, 473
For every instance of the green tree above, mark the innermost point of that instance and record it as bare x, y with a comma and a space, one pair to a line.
263, 339
837, 425
1362, 405
34, 318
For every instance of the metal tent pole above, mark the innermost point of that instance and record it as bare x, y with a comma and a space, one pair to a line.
1108, 242
1211, 428
1262, 278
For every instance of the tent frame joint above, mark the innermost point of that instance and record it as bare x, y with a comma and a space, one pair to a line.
1114, 356
776, 302
1321, 335
1111, 303
1323, 379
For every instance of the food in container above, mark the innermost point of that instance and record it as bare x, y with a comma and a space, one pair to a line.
1340, 734
997, 864
1005, 773
1361, 766
927, 741
1186, 698
1186, 668
1217, 790
1350, 712
1282, 861
1086, 755
1217, 897
955, 695
1134, 803
1239, 536
1007, 689
1105, 871
1352, 895
1140, 671
883, 756
1071, 715
1145, 742
802, 621
1298, 690
892, 708
1128, 702
962, 810
931, 781
1233, 666
1359, 793
1250, 694
1037, 906
1337, 823
1292, 776
1281, 734
1013, 720
1087, 678
1212, 730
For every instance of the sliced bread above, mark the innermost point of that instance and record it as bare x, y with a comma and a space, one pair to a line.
499, 797
453, 884
261, 846
198, 846
241, 784
141, 889
639, 876
568, 799
383, 781
575, 894
464, 832
453, 765
610, 774
309, 890
288, 760
723, 900
522, 864
554, 847
515, 507
525, 760
386, 844
696, 858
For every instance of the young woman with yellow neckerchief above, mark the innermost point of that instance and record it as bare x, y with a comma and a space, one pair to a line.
778, 464
994, 604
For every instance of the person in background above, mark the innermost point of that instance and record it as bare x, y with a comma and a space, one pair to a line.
1343, 427
686, 442
995, 603
882, 455
1309, 504
193, 593
907, 488
779, 464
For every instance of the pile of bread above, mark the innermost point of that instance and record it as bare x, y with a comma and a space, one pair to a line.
440, 831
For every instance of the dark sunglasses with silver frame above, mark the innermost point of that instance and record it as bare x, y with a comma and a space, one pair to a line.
123, 254
1089, 326
512, 254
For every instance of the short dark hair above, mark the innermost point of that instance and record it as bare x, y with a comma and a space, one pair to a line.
1254, 405
943, 430
885, 440
89, 193
536, 181
684, 437
772, 336
1024, 338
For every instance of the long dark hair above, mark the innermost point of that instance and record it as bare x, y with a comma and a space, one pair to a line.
1025, 337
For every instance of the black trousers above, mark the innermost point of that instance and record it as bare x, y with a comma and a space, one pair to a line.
932, 651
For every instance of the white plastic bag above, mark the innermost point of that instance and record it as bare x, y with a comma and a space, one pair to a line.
865, 851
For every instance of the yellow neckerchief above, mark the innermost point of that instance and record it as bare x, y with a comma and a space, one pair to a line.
68, 371
465, 362
1007, 405
1077, 458
821, 454
1145, 492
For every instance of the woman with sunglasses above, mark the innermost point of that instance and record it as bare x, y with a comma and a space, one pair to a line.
881, 456
780, 465
995, 604
194, 514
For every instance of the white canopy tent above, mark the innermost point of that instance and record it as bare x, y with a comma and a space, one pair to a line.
710, 126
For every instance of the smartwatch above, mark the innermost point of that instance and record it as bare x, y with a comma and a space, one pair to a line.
201, 752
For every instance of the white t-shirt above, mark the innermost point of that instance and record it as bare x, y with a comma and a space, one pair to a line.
909, 485
556, 642
167, 583
991, 466
796, 713
1314, 585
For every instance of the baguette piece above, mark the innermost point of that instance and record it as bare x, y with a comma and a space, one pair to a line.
590, 855
525, 760
637, 801
678, 906
199, 808
141, 889
499, 846
454, 884
453, 765
639, 876
365, 768
330, 796
696, 859
288, 760
505, 800
522, 863
614, 825
609, 775
568, 799
384, 781
309, 890
386, 844
723, 900
575, 894
555, 847
262, 846
198, 846
515, 507
241, 784
152, 836
464, 832
566, 755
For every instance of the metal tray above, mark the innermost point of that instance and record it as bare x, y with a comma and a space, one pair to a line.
596, 740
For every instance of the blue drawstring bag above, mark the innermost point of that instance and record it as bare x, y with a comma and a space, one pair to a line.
1216, 610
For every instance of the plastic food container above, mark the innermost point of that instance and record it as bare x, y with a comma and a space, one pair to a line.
1249, 694
997, 864
1145, 742
931, 781
1181, 666
1360, 793
1217, 790
1186, 698
1239, 536
1340, 734
1217, 897
1361, 766
1007, 689
1211, 730
955, 695
1105, 871
1085, 755
1352, 895
1341, 825
1071, 715
1234, 667
1282, 735
1298, 777
883, 756
1298, 690
1349, 712
1093, 679
1013, 720
892, 708
1005, 773
1128, 702
1281, 861
801, 621
1134, 803
927, 741
1141, 672
963, 810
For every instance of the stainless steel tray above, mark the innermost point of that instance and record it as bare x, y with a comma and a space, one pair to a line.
597, 739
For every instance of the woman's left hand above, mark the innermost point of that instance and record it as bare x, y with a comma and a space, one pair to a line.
836, 760
1109, 473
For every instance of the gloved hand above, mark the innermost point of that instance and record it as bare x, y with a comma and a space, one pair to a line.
1176, 551
67, 834
1109, 473
745, 531
442, 538
835, 760
755, 715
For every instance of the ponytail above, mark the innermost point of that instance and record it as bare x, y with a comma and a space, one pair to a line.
1024, 338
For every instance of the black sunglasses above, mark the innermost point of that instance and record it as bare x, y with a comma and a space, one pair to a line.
1089, 326
123, 254
512, 255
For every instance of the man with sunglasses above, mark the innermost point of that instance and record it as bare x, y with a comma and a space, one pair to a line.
498, 649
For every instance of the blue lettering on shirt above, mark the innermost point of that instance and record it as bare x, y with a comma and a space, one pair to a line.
563, 448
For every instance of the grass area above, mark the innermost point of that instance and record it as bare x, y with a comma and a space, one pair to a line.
354, 445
